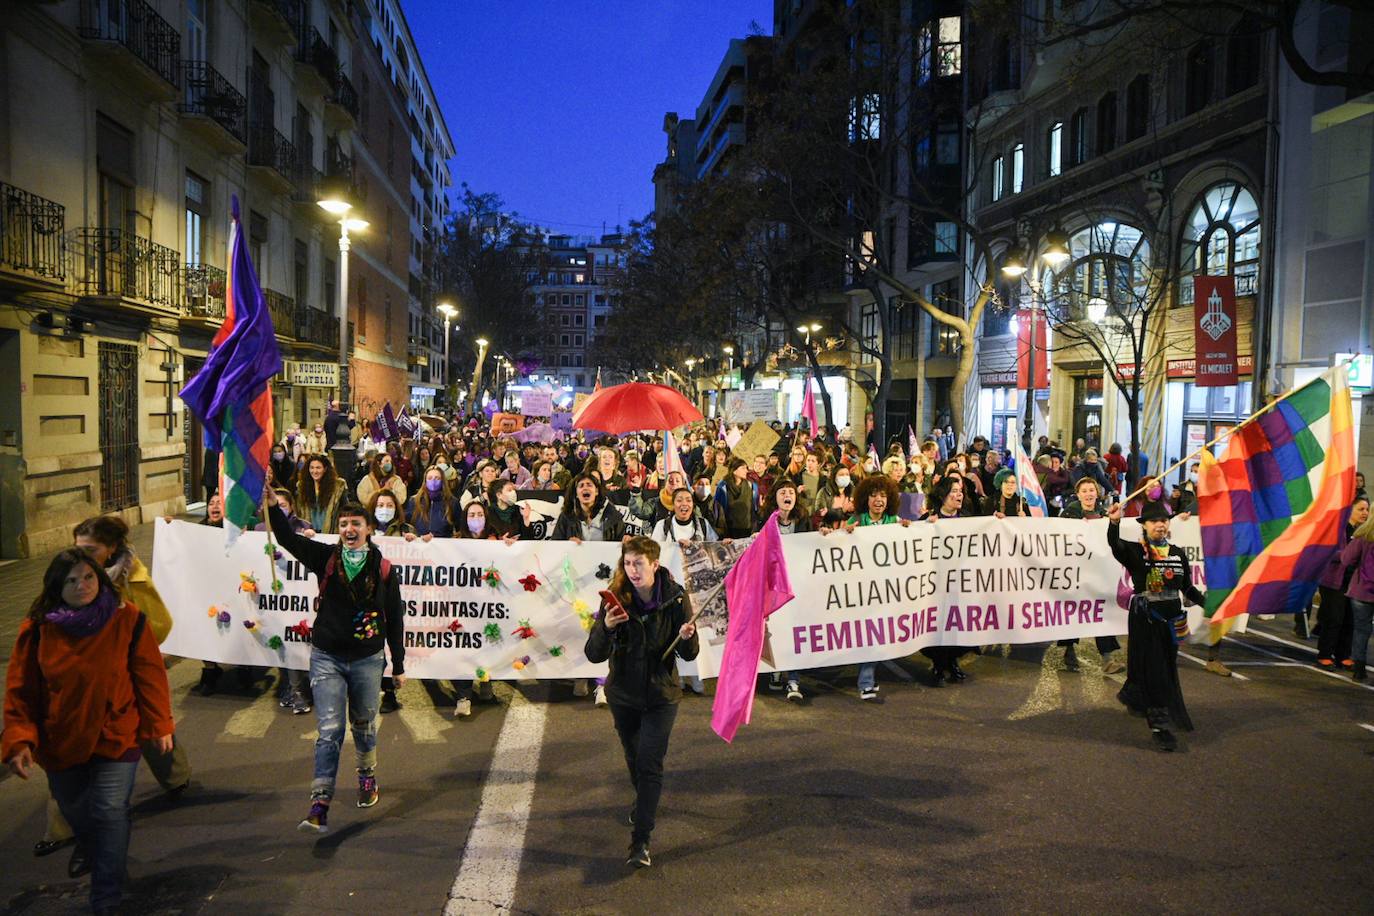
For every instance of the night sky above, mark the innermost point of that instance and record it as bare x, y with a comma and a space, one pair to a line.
557, 105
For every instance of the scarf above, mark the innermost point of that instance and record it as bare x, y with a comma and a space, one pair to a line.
353, 560
88, 620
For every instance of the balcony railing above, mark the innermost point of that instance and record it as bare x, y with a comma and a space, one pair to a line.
118, 263
205, 286
317, 327
267, 147
282, 308
337, 163
316, 52
208, 93
343, 94
137, 26
32, 238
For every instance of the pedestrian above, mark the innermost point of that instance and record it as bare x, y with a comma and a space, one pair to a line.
381, 475
737, 501
505, 516
1006, 501
1162, 579
432, 510
1358, 555
283, 467
785, 500
946, 502
1337, 624
318, 494
1088, 505
86, 688
1054, 481
515, 472
389, 516
685, 524
359, 617
641, 634
1117, 467
479, 481
876, 500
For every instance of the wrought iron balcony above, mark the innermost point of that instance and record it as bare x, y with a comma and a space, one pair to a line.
138, 27
282, 308
343, 94
118, 263
306, 184
316, 52
32, 239
267, 147
208, 93
337, 163
205, 288
317, 327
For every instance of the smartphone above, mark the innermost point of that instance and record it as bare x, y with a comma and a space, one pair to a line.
613, 605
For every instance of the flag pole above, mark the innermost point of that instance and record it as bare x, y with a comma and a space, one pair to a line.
271, 548
1230, 432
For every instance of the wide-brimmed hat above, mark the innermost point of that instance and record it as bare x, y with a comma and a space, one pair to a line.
1154, 512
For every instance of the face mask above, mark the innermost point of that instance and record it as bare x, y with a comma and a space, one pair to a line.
703, 492
475, 525
842, 481
278, 456
290, 437
1154, 492
1192, 478
433, 485
441, 465
386, 467
319, 432
385, 514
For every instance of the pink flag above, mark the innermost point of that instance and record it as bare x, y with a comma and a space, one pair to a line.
672, 458
913, 448
808, 410
756, 587
873, 456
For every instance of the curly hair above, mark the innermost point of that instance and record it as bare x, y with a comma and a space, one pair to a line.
871, 484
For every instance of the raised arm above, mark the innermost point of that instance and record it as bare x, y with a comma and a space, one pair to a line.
312, 554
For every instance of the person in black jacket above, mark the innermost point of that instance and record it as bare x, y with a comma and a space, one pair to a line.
1088, 506
635, 633
792, 519
359, 616
1161, 578
588, 514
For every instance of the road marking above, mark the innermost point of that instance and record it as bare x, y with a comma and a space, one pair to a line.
1194, 658
491, 860
1286, 642
252, 721
1367, 727
1344, 678
420, 716
1259, 663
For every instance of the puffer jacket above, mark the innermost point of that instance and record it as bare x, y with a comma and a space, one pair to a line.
570, 526
640, 677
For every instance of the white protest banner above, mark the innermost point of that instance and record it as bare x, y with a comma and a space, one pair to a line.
537, 403
457, 622
741, 406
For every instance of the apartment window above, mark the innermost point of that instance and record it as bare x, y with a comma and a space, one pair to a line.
998, 168
563, 360
114, 160
386, 321
563, 320
865, 118
580, 299
1138, 107
1198, 92
1221, 236
331, 285
946, 238
257, 243
579, 320
947, 143
196, 212
1243, 50
923, 55
598, 321
948, 52
581, 380
578, 341
565, 299
301, 263
1054, 148
1106, 123
868, 325
1078, 137
944, 340
1018, 167
902, 318
564, 340
578, 360
360, 295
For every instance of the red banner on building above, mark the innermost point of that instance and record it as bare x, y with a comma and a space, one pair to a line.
1023, 350
1214, 331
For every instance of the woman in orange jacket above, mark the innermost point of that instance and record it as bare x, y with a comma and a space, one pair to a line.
85, 686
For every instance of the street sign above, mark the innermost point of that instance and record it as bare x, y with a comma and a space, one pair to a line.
1361, 369
311, 374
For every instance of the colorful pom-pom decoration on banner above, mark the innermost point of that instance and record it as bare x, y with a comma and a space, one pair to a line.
301, 629
481, 675
492, 577
274, 643
603, 571
531, 582
454, 627
223, 619
584, 614
277, 585
524, 630
492, 632
250, 625
213, 612
518, 665
248, 583
555, 651
569, 578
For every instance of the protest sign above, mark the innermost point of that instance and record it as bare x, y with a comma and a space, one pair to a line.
758, 439
536, 403
744, 405
503, 424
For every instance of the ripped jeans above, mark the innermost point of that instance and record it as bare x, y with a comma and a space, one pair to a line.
345, 692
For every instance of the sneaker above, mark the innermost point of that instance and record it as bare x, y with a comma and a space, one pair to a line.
463, 708
367, 790
600, 697
284, 701
794, 691
1114, 665
1347, 663
299, 705
696, 685
389, 701
639, 855
318, 819
868, 693
1216, 667
580, 687
1070, 658
775, 681
1326, 663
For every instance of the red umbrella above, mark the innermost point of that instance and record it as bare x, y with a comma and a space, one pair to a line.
635, 406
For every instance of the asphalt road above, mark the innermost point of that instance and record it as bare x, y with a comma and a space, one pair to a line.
1025, 789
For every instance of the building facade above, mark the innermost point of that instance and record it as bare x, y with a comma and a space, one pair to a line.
116, 182
574, 287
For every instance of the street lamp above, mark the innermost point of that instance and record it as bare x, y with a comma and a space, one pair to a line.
338, 206
808, 330
448, 311
729, 364
482, 344
1055, 253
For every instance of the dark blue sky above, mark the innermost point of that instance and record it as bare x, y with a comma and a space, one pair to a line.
557, 105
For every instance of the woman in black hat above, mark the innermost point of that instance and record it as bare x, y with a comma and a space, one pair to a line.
1162, 580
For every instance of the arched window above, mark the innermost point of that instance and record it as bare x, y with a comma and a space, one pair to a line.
1107, 274
1221, 236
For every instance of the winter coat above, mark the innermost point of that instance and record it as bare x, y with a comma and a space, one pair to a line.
1361, 588
640, 678
569, 526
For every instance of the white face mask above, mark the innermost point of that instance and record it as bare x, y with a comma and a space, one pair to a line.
842, 481
1193, 477
385, 514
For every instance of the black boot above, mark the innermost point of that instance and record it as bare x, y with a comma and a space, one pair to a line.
956, 673
1164, 739
938, 677
209, 680
389, 701
1357, 672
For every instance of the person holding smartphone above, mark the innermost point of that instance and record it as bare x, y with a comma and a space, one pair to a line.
645, 621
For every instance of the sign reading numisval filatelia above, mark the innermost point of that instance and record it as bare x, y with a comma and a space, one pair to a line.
312, 375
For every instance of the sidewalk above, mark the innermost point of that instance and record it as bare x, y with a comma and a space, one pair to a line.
22, 580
